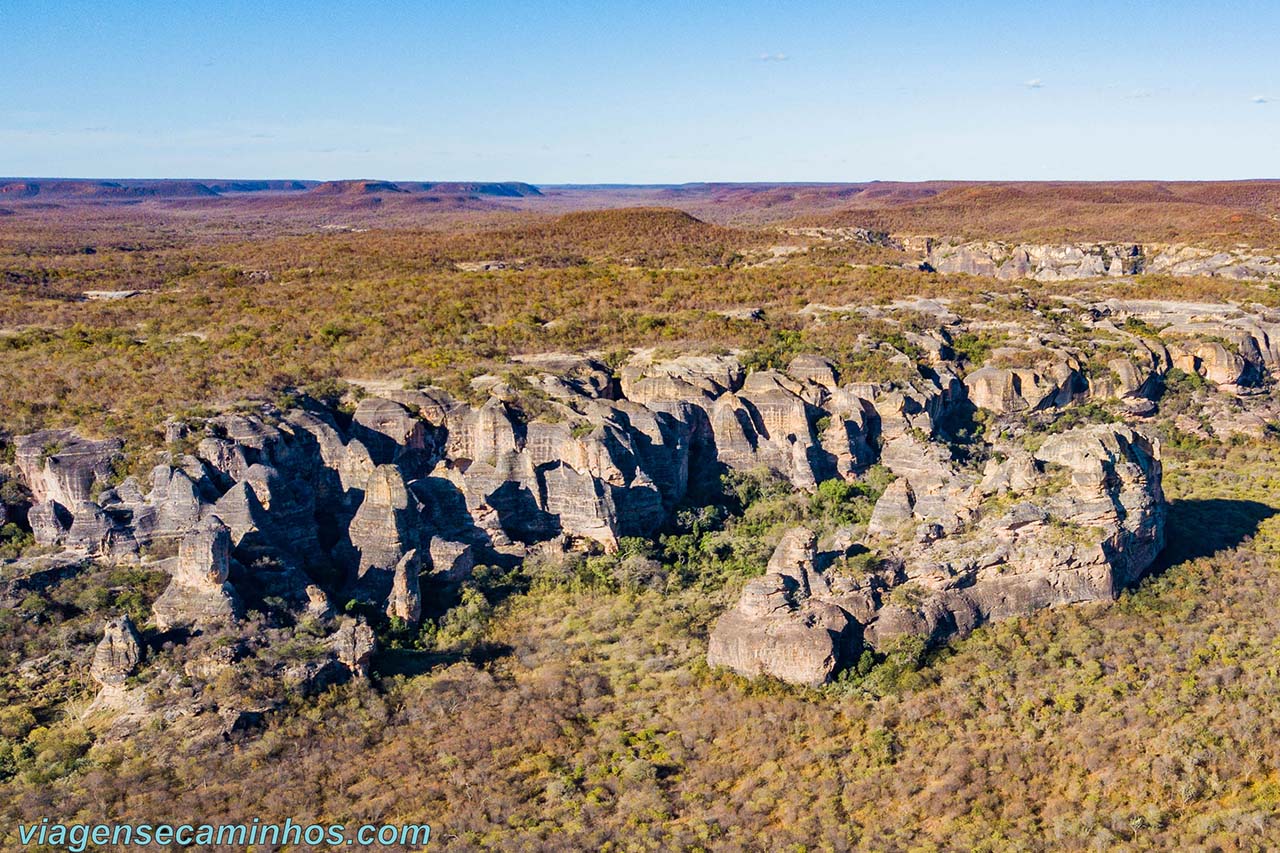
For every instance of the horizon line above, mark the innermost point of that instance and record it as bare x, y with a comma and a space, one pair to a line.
653, 184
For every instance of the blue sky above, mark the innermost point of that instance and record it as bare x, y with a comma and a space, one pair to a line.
658, 92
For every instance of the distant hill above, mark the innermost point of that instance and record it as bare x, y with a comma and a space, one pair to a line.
631, 235
354, 188
72, 189
258, 186
504, 189
1210, 212
1218, 213
510, 189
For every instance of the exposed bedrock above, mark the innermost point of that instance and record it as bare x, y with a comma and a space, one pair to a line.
783, 624
1069, 261
1076, 521
117, 654
198, 596
399, 500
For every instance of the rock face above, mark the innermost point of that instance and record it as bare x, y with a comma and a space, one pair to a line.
383, 530
199, 595
60, 466
1065, 262
62, 470
118, 653
1049, 379
1078, 520
354, 645
780, 627
1038, 261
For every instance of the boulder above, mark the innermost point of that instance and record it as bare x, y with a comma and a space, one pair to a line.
773, 631
118, 653
893, 511
778, 627
354, 644
50, 521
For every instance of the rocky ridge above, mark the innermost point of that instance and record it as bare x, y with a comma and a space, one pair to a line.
1071, 261
390, 505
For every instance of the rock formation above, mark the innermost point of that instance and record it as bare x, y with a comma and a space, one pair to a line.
354, 644
116, 657
199, 596
781, 625
62, 471
117, 654
1069, 261
1077, 521
304, 510
405, 600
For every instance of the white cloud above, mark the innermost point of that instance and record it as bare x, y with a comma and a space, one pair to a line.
1035, 83
1261, 99
774, 57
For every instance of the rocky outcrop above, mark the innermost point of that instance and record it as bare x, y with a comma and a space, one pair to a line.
63, 471
1078, 520
1070, 261
405, 600
1235, 350
1036, 261
1193, 261
384, 529
779, 626
1026, 381
60, 466
303, 510
199, 596
1226, 368
117, 654
354, 644
116, 658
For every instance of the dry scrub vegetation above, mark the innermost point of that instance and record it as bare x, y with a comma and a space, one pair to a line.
1209, 214
594, 724
568, 706
218, 320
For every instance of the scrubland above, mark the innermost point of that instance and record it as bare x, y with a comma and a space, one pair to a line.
566, 705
